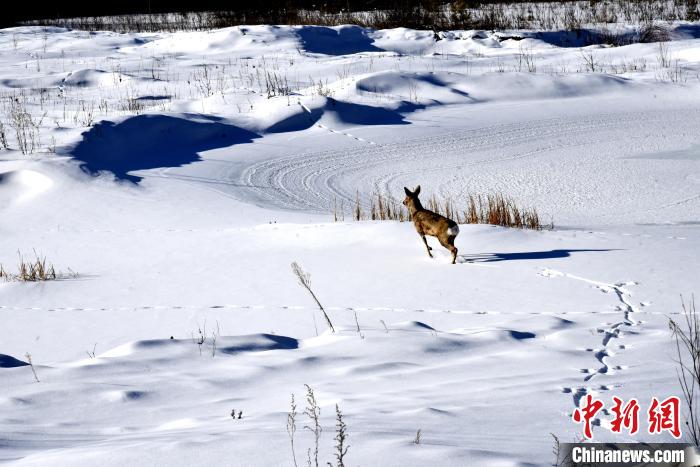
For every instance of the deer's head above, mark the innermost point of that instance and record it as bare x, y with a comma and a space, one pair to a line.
411, 201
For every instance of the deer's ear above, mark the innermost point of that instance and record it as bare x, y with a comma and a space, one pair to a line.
417, 190
408, 192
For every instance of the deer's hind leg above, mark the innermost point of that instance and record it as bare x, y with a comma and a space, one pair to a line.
427, 247
448, 241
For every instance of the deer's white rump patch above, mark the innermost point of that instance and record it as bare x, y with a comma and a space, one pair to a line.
453, 231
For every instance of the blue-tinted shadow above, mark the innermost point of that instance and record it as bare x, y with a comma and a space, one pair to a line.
341, 41
531, 255
152, 141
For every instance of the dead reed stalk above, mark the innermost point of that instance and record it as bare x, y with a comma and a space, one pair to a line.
495, 209
30, 270
305, 281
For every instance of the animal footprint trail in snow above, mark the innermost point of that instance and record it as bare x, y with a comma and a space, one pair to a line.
610, 332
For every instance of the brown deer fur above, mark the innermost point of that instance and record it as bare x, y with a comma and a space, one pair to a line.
431, 223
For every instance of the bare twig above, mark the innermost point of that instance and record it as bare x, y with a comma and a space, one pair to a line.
31, 364
419, 435
386, 329
305, 281
201, 336
313, 411
292, 426
688, 353
357, 323
341, 437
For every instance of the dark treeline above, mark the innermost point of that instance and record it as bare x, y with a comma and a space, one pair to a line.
178, 15
270, 9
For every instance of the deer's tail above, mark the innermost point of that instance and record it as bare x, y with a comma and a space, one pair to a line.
453, 230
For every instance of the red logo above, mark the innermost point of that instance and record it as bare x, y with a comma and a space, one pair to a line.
662, 415
590, 408
627, 416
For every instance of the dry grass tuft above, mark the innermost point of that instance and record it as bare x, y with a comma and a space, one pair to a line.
36, 270
653, 32
33, 270
495, 209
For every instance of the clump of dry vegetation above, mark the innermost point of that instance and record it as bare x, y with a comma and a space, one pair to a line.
495, 209
33, 270
25, 126
381, 207
313, 414
3, 137
686, 333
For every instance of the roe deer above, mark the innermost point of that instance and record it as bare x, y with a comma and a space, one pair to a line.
431, 223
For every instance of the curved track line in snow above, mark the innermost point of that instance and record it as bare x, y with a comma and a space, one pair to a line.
331, 130
450, 162
309, 181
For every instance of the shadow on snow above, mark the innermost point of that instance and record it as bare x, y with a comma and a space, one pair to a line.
344, 112
551, 254
336, 41
8, 361
152, 141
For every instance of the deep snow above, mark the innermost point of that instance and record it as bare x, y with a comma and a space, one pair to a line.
180, 194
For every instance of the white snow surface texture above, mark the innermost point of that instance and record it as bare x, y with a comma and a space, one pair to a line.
176, 176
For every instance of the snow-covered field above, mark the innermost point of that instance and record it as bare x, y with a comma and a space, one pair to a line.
179, 175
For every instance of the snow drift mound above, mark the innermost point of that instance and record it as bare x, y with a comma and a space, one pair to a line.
447, 88
251, 40
91, 78
85, 78
177, 348
18, 186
